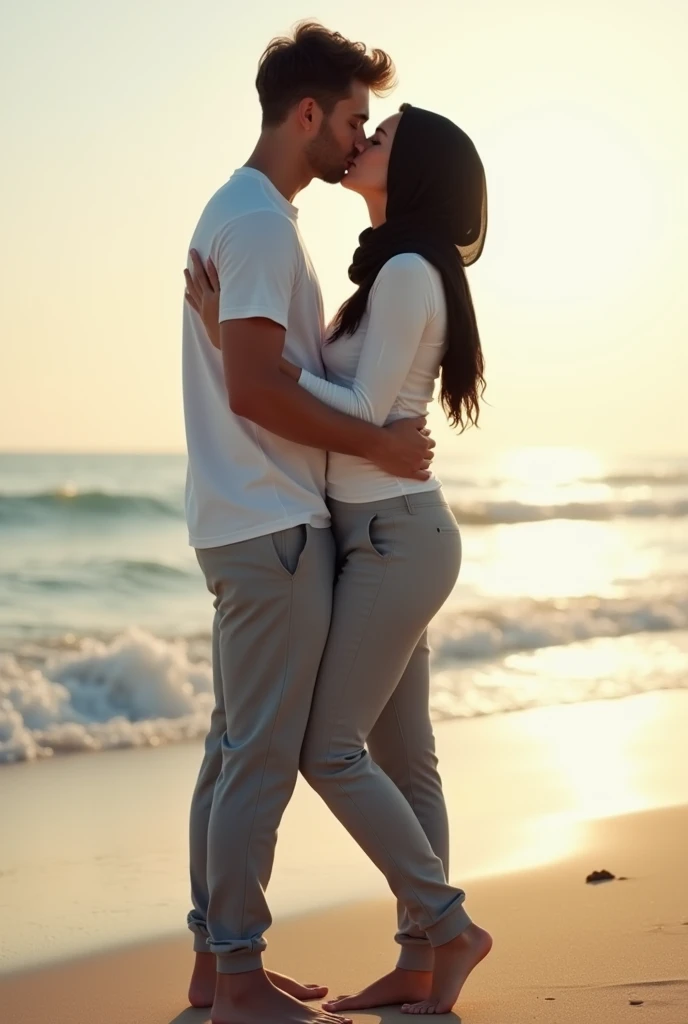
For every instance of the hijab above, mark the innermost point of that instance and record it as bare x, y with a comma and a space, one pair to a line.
437, 208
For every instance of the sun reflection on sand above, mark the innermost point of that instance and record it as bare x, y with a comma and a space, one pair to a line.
596, 760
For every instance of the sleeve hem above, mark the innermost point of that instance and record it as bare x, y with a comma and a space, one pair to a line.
248, 312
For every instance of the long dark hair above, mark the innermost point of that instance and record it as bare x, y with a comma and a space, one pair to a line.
437, 208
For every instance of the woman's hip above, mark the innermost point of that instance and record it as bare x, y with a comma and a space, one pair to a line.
412, 543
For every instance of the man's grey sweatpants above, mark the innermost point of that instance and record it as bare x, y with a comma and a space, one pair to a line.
398, 561
273, 598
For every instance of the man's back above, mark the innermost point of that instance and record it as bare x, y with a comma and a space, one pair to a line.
243, 481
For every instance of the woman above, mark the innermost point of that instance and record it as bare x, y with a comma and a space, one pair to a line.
410, 320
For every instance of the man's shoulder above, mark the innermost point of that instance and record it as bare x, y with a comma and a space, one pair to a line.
243, 197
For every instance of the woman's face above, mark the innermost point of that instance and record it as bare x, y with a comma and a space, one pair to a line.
367, 174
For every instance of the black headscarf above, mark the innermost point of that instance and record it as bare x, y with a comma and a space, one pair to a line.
437, 208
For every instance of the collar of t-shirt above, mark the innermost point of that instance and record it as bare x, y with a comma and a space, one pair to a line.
275, 195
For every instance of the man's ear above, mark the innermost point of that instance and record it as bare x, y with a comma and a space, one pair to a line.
309, 115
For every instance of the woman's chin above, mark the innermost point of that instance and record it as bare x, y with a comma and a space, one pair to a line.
349, 182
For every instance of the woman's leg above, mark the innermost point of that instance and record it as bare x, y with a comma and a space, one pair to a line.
402, 743
400, 562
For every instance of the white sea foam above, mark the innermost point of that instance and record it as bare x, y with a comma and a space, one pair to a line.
137, 690
142, 690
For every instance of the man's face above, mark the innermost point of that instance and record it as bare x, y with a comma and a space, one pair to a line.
341, 137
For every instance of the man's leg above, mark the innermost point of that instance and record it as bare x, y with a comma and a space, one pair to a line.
201, 803
202, 985
273, 598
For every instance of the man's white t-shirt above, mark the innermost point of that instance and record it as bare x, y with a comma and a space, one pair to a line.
243, 481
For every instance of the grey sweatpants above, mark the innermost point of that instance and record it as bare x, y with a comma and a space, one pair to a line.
398, 560
273, 598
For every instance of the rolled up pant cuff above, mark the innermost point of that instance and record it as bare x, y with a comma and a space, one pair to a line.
200, 934
453, 923
238, 963
416, 957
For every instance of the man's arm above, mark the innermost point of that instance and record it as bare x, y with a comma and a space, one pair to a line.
259, 391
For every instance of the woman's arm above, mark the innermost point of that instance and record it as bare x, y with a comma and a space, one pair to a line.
402, 303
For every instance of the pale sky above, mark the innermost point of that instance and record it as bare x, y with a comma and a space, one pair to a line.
120, 120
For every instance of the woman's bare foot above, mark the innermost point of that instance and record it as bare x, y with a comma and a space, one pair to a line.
202, 986
398, 986
251, 998
454, 961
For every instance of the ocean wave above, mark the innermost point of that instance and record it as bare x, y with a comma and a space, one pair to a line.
494, 513
69, 503
96, 575
646, 478
526, 625
137, 690
591, 670
90, 694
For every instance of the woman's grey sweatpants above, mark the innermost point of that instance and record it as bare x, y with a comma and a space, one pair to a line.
398, 561
273, 597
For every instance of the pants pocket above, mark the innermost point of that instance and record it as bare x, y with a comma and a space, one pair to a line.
379, 535
289, 545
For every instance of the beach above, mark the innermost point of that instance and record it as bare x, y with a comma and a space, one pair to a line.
560, 699
94, 891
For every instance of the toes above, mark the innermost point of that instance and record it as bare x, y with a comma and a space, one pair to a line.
340, 1003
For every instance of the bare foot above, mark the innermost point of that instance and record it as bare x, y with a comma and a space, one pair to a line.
202, 986
454, 961
398, 986
251, 998
304, 993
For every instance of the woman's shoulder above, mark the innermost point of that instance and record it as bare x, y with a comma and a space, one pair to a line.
411, 275
408, 268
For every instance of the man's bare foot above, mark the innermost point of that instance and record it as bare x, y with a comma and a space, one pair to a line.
398, 986
202, 987
251, 998
304, 993
454, 961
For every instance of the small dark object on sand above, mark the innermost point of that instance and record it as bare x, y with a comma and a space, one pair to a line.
549, 999
636, 1002
600, 876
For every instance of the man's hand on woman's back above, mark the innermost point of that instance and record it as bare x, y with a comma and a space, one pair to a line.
405, 449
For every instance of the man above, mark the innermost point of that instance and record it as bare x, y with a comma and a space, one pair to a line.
257, 446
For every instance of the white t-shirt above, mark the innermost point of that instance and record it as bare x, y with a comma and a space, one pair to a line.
385, 371
243, 481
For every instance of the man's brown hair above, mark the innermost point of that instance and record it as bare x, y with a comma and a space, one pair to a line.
317, 63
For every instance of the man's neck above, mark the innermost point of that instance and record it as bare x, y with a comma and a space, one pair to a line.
286, 169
